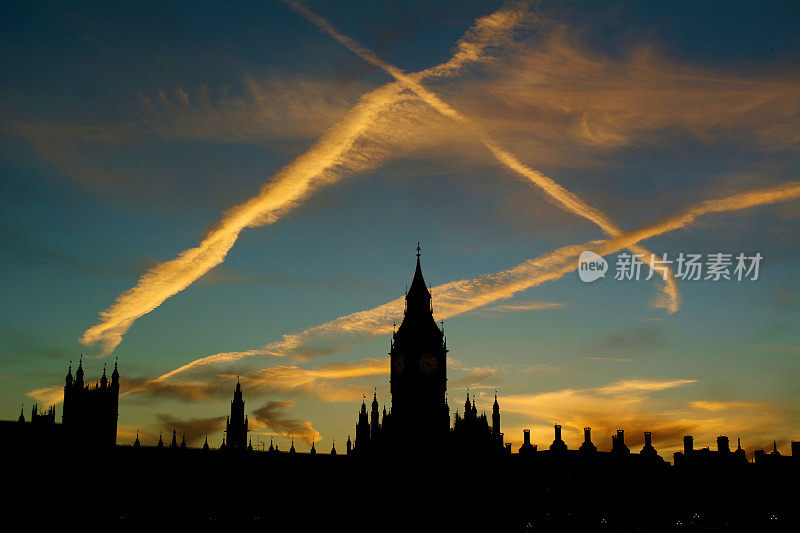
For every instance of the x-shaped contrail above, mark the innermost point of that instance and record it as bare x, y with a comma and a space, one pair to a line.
461, 296
326, 162
333, 156
553, 191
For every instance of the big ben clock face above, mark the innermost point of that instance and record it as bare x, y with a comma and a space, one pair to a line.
428, 364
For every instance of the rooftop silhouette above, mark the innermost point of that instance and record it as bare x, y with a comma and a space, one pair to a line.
408, 453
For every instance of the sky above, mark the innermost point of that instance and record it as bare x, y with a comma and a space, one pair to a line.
206, 190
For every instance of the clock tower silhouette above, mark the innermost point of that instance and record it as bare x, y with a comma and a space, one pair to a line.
420, 416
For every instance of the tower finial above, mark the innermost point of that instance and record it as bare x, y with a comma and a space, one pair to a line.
419, 248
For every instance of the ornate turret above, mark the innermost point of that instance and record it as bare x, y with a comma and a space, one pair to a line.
115, 374
362, 429
374, 424
79, 373
21, 418
418, 297
292, 451
69, 379
313, 450
205, 444
104, 378
237, 424
496, 417
174, 443
161, 440
136, 443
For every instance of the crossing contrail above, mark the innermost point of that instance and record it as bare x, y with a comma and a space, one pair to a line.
335, 155
458, 297
552, 190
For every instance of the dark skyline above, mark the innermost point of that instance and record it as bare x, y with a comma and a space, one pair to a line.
131, 129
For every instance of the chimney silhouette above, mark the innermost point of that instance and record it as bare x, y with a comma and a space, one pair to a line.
688, 445
723, 446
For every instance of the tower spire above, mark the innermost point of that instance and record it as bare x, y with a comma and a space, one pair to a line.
115, 373
418, 297
79, 373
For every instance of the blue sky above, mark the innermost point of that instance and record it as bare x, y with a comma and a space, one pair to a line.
129, 129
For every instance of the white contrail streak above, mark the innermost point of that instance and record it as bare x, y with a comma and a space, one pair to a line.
555, 192
331, 158
458, 297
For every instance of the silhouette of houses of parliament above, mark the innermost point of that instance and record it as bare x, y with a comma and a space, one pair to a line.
88, 418
402, 452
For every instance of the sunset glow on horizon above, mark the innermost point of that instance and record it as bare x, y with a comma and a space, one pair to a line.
209, 194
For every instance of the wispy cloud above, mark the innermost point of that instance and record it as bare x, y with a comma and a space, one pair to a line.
471, 377
553, 191
322, 382
633, 406
457, 297
642, 385
272, 415
524, 306
636, 338
331, 382
340, 151
47, 396
606, 359
649, 95
564, 102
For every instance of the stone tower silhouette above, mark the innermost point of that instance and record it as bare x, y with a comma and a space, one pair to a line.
419, 414
236, 426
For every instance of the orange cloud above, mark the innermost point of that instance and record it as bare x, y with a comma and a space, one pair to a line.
272, 415
48, 396
339, 152
631, 405
457, 297
554, 192
318, 381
